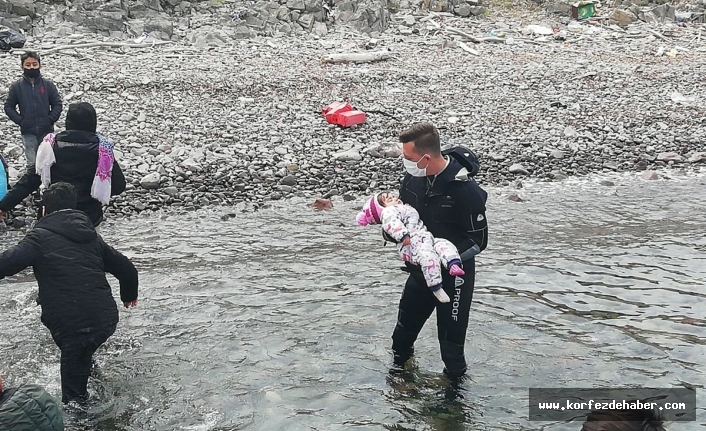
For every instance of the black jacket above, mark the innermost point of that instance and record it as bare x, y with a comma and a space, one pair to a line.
70, 261
452, 205
76, 155
40, 106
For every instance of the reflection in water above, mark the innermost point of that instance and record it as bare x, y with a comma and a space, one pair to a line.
282, 319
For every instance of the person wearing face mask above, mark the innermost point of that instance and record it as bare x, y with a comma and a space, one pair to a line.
439, 185
39, 105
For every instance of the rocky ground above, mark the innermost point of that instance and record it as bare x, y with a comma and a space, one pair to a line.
240, 124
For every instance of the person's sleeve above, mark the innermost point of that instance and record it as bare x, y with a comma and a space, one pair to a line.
27, 184
120, 267
21, 256
11, 105
55, 103
393, 225
117, 180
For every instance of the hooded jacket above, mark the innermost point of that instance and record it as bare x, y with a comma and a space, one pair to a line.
40, 105
451, 205
76, 152
29, 408
70, 261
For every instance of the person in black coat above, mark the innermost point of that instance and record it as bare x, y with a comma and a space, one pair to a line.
39, 102
70, 261
77, 158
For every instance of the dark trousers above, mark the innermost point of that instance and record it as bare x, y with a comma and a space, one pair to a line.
417, 304
77, 349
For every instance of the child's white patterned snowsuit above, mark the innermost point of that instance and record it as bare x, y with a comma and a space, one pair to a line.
424, 250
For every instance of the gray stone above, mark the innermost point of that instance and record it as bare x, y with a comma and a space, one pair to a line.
558, 154
570, 132
650, 175
171, 191
669, 157
559, 8
622, 17
320, 29
289, 180
408, 20
150, 181
23, 7
463, 10
698, 158
296, 5
515, 198
518, 169
478, 10
348, 155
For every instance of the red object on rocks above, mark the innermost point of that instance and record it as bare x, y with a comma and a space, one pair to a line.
332, 111
351, 118
343, 114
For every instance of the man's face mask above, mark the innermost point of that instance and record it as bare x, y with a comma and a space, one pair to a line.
31, 73
413, 167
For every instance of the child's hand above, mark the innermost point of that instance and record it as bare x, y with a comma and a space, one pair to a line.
406, 241
130, 304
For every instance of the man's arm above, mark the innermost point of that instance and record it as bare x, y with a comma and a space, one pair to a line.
118, 265
55, 104
23, 188
117, 180
21, 256
11, 105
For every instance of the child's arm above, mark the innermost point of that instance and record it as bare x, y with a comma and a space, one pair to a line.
21, 256
393, 225
120, 266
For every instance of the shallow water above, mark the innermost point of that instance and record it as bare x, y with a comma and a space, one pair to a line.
282, 319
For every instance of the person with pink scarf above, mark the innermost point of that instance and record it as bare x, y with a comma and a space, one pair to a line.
79, 156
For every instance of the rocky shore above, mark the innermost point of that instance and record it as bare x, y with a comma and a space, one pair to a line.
238, 123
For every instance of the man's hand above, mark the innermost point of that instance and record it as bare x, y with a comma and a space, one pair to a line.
130, 304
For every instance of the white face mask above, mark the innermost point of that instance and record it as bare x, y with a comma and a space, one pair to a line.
413, 168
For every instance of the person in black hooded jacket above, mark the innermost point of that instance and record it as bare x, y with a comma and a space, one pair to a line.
70, 261
77, 156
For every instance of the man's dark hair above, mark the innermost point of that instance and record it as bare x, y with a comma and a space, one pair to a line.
425, 137
30, 54
59, 196
624, 420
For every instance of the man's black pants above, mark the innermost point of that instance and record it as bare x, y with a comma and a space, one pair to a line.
417, 304
77, 349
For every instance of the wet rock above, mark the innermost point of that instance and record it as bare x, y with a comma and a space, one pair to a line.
322, 205
518, 169
698, 158
607, 183
650, 175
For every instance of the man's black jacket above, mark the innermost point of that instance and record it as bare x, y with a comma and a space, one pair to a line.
70, 261
451, 205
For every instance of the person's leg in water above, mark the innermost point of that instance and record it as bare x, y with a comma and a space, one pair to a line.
77, 349
31, 145
424, 255
452, 319
449, 256
416, 305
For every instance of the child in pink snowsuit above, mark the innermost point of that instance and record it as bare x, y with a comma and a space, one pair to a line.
414, 242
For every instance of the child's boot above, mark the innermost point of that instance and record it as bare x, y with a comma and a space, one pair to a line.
440, 294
